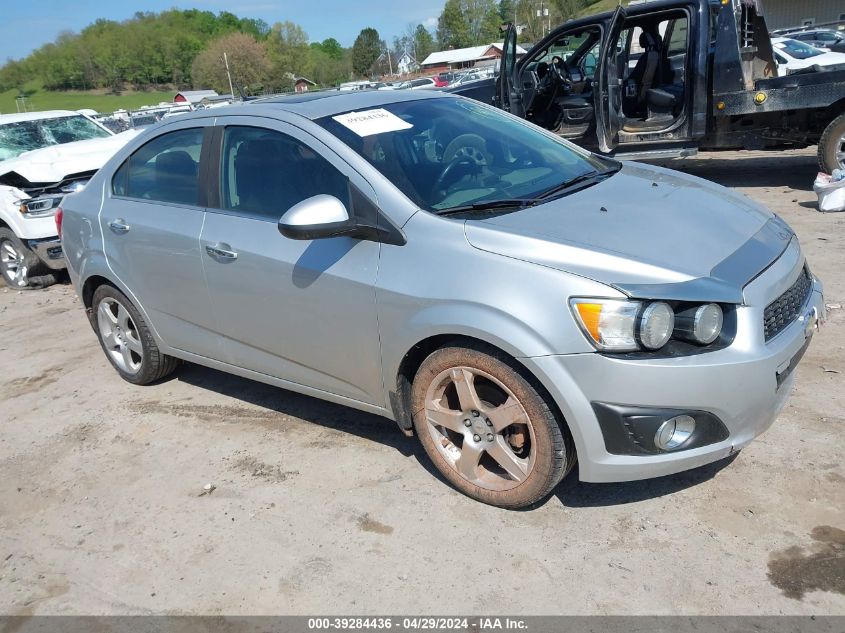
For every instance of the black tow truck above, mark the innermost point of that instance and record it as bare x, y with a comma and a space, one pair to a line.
666, 78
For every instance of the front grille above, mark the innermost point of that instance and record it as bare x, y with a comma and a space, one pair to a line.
786, 308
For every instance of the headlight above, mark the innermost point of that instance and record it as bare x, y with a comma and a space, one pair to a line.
656, 325
609, 323
40, 207
619, 325
702, 324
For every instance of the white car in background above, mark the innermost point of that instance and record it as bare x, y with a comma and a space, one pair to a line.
43, 156
792, 55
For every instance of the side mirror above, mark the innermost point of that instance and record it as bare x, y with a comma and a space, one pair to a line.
324, 216
316, 217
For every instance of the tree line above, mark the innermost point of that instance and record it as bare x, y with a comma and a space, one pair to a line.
184, 48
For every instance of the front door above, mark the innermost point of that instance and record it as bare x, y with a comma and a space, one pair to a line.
301, 311
608, 94
508, 95
151, 230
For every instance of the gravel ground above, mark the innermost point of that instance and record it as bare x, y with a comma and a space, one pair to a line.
322, 509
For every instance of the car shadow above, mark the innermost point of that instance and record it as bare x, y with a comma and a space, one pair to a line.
571, 492
321, 412
775, 169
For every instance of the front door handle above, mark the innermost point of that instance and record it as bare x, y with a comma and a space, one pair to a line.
119, 226
221, 252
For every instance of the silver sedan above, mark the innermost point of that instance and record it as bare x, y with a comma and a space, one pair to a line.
515, 302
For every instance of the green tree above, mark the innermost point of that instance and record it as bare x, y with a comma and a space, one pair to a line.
289, 55
366, 50
468, 23
453, 26
248, 64
331, 47
424, 43
507, 9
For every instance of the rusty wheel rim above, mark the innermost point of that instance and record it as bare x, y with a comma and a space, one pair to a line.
480, 428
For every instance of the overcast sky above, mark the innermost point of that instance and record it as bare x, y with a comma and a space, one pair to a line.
26, 25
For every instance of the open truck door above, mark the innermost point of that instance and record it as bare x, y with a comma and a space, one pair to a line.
608, 96
508, 97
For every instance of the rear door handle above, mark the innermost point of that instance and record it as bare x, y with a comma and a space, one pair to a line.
221, 252
119, 226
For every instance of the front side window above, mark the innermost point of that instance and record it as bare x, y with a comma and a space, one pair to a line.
166, 169
445, 153
264, 173
25, 136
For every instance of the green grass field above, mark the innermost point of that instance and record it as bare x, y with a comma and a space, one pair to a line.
39, 99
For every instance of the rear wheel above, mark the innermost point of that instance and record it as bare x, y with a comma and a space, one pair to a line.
832, 146
126, 339
487, 429
18, 264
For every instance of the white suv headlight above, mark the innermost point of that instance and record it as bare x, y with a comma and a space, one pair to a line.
40, 207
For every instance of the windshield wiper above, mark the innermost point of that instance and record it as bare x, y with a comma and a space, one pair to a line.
487, 205
593, 175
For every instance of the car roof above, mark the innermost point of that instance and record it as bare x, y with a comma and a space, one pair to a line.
35, 116
318, 104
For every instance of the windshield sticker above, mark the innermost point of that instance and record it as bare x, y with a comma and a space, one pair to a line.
371, 122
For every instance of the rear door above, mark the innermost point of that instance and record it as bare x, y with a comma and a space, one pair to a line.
298, 310
508, 97
151, 225
608, 93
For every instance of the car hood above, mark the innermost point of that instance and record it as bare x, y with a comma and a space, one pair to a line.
825, 59
648, 231
52, 164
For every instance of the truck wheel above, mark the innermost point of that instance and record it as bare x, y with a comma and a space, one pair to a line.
487, 429
19, 265
127, 341
832, 146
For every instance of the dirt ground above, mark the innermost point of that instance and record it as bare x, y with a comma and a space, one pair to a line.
322, 509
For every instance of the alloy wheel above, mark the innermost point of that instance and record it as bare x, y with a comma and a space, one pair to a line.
119, 335
839, 152
13, 263
480, 428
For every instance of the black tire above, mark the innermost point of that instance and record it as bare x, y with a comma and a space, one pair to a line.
152, 364
832, 142
551, 444
28, 264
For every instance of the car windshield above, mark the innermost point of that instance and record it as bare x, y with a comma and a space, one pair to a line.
452, 152
797, 49
25, 136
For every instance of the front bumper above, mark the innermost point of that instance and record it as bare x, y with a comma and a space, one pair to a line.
49, 251
745, 386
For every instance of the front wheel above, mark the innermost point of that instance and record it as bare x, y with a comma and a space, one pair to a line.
19, 266
487, 429
126, 339
832, 146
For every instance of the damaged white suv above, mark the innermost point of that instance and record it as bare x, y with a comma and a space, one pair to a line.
43, 156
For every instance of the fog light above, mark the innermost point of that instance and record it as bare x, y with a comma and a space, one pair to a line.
674, 432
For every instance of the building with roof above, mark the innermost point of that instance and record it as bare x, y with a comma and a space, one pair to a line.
193, 96
485, 55
302, 84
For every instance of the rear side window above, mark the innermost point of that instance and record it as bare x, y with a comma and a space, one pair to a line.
265, 173
678, 42
166, 169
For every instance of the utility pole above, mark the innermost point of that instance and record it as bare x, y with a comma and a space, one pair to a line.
389, 63
228, 74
